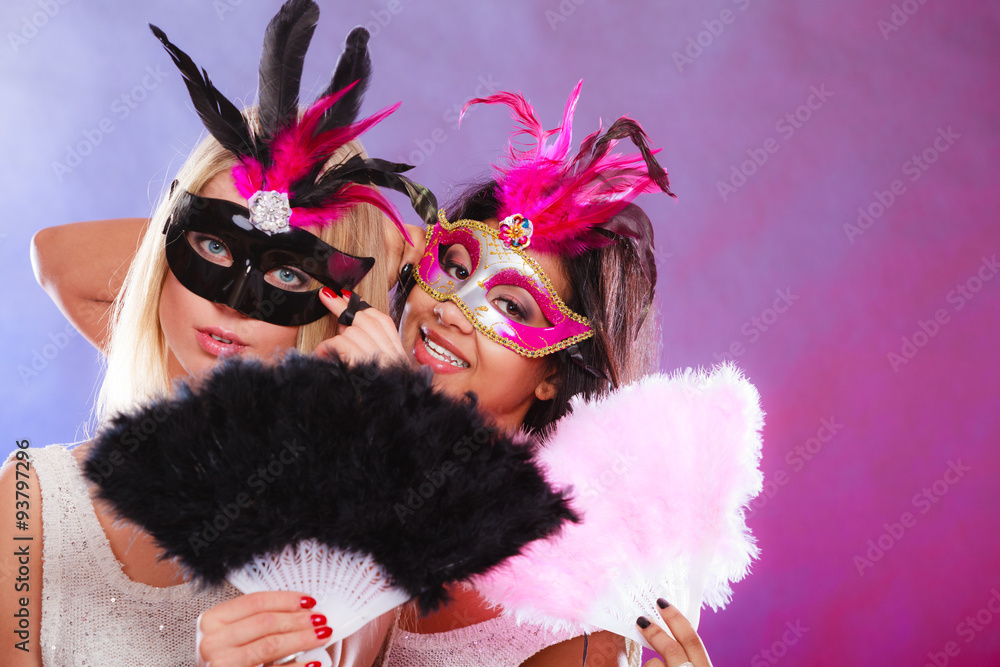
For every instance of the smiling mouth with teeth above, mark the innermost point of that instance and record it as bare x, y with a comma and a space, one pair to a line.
439, 352
221, 339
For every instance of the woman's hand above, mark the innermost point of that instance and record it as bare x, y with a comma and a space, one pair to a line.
259, 628
683, 650
372, 334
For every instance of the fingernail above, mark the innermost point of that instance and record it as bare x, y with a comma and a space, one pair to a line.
642, 622
318, 620
313, 664
307, 602
323, 633
347, 293
329, 293
661, 603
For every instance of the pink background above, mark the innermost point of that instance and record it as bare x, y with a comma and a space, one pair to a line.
713, 83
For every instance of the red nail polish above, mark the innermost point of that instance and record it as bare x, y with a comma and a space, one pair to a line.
318, 620
323, 633
313, 664
329, 293
307, 602
347, 293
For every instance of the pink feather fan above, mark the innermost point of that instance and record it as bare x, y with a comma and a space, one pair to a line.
567, 199
661, 472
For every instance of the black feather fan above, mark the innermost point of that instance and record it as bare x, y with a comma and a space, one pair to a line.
360, 458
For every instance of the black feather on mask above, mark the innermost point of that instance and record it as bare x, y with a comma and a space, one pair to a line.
290, 154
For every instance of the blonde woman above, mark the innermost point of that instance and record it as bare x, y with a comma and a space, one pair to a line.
231, 262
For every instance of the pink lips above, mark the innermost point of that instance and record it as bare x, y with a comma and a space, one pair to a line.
424, 358
219, 348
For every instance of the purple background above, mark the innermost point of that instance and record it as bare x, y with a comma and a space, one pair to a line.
882, 431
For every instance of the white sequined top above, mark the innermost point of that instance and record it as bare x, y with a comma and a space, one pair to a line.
498, 642
92, 613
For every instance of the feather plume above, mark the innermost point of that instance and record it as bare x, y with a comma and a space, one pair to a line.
661, 473
286, 41
565, 198
221, 117
353, 69
299, 147
365, 460
290, 154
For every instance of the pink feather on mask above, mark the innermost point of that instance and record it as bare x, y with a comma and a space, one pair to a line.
566, 199
662, 472
297, 149
351, 195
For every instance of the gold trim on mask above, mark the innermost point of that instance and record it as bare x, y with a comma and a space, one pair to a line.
483, 329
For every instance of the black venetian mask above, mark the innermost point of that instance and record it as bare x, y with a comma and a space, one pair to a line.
216, 253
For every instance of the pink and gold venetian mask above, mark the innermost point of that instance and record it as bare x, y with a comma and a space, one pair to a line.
500, 288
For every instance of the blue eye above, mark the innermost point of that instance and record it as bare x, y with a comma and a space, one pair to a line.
288, 278
210, 248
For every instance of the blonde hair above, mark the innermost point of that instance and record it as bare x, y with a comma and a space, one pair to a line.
138, 356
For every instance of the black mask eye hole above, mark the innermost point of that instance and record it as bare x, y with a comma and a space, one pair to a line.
290, 279
210, 248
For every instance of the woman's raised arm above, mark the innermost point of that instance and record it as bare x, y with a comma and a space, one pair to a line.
82, 266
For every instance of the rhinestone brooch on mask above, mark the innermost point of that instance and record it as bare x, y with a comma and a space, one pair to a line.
515, 231
270, 211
